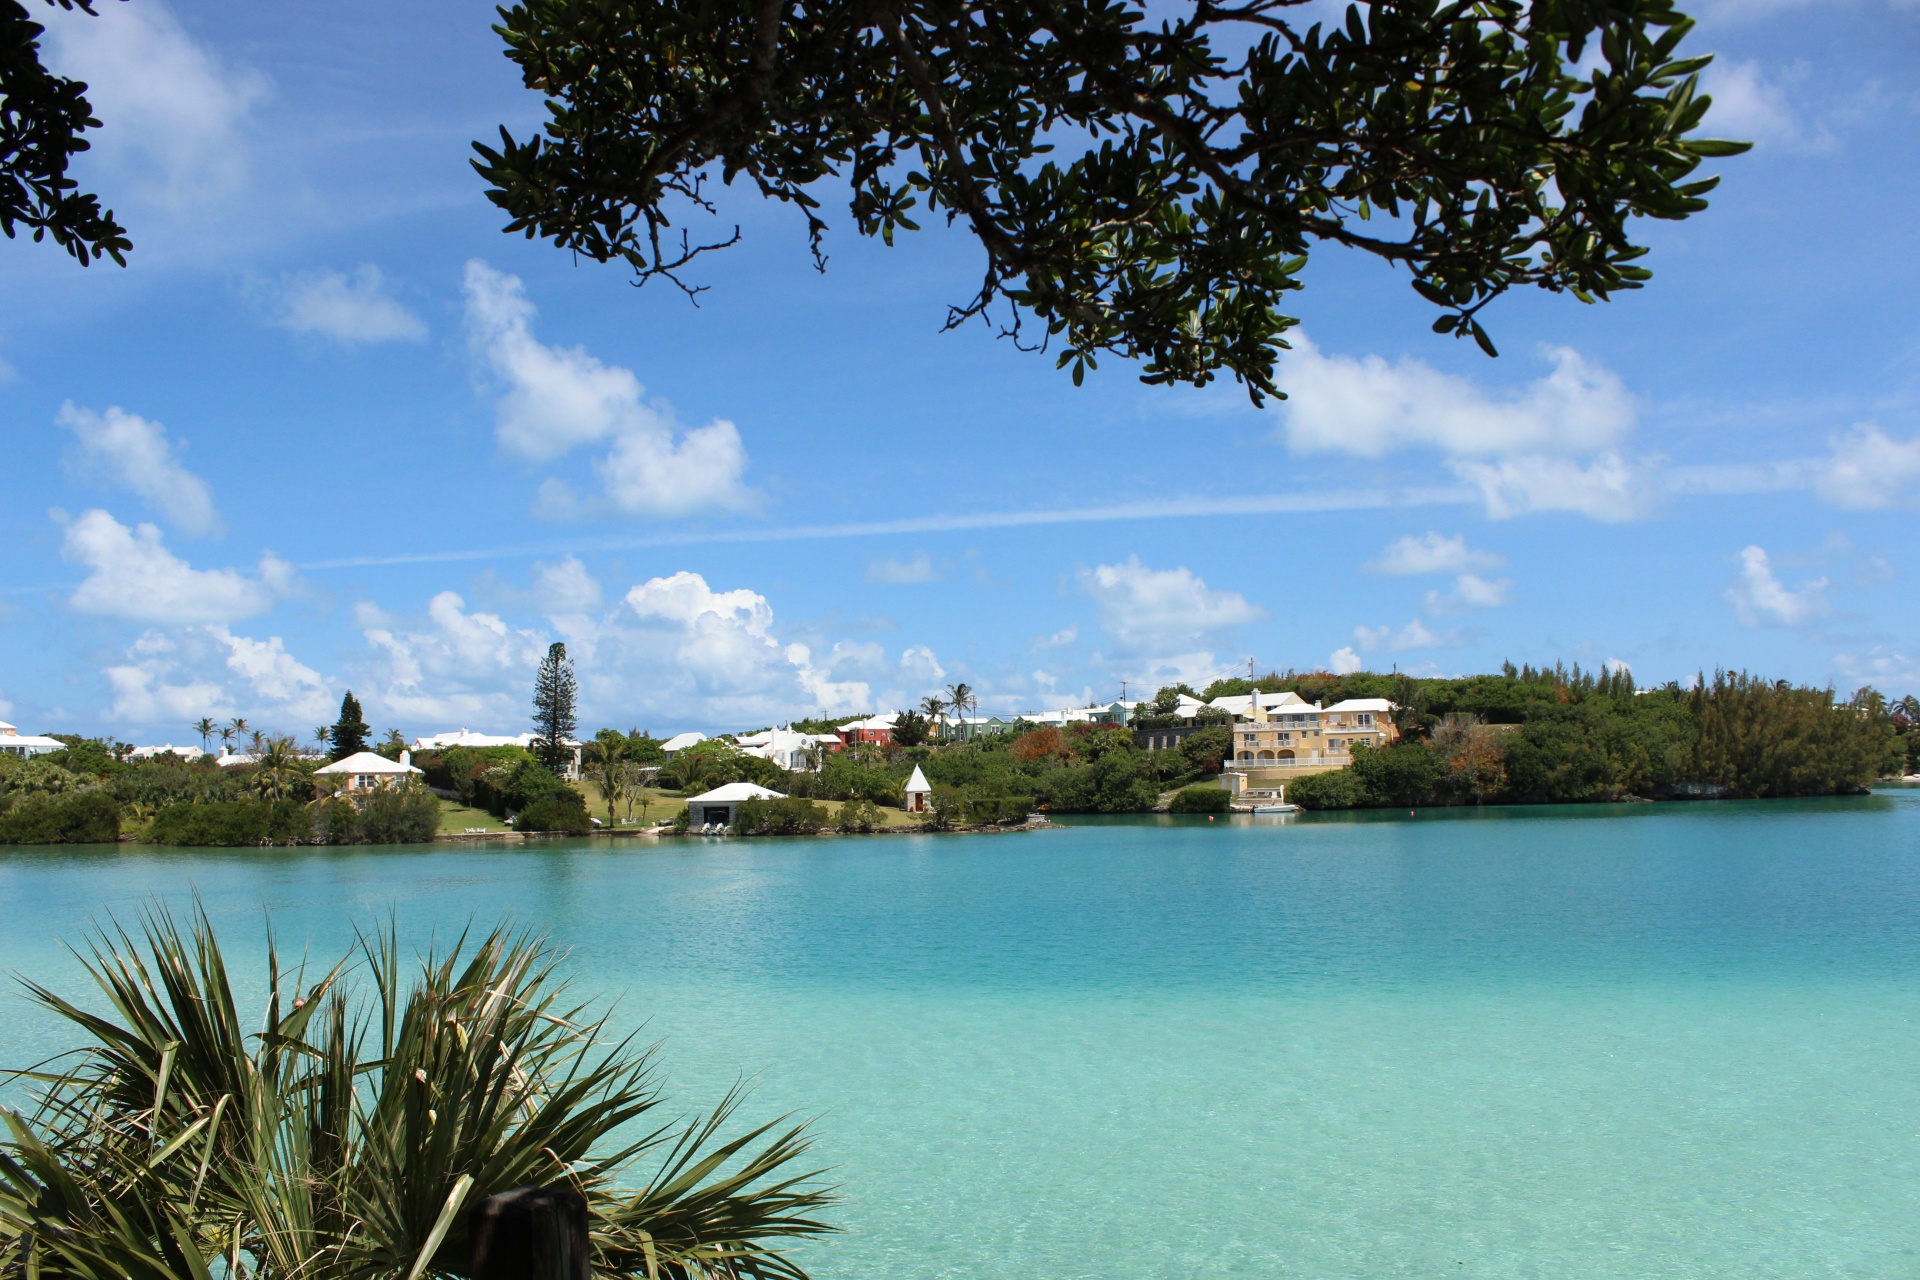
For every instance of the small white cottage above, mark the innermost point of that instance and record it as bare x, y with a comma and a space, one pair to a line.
364, 772
716, 807
919, 792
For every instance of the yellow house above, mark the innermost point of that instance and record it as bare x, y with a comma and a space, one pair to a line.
1282, 735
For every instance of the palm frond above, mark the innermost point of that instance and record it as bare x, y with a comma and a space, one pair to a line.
346, 1139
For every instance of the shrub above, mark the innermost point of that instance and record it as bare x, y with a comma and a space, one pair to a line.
788, 816
233, 823
1340, 789
334, 822
81, 817
398, 817
553, 813
988, 810
1201, 799
859, 815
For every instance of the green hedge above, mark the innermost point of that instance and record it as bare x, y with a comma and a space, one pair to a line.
791, 816
988, 810
233, 823
553, 814
80, 817
1200, 799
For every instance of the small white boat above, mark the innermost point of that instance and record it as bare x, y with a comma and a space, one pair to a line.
1275, 808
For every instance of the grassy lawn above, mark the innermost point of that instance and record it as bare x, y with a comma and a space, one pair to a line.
659, 804
456, 818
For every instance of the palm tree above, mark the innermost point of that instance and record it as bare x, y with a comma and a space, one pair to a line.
226, 735
352, 1138
960, 698
934, 707
204, 727
277, 768
256, 743
323, 735
605, 765
235, 728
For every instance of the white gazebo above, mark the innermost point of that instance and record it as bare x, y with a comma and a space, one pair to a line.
715, 807
364, 772
15, 743
919, 792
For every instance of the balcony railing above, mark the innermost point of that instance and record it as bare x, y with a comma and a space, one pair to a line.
1297, 762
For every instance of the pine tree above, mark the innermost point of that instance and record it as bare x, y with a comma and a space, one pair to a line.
553, 724
349, 733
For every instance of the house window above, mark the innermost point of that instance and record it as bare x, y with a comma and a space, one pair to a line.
1364, 719
1252, 738
363, 780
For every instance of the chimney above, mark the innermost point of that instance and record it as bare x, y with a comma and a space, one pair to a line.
406, 759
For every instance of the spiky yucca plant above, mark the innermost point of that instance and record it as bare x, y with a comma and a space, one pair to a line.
347, 1138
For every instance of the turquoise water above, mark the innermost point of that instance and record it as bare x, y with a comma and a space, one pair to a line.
1673, 1041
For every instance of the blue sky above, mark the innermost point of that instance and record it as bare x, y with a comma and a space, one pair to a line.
331, 429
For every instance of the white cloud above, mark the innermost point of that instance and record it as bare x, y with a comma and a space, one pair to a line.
284, 684
135, 453
455, 669
893, 571
1618, 666
1345, 661
1868, 469
558, 399
1433, 553
1608, 488
1145, 608
1059, 639
724, 646
1882, 666
918, 664
1414, 635
348, 309
173, 115
132, 575
1759, 597
1751, 107
1470, 591
565, 587
1366, 406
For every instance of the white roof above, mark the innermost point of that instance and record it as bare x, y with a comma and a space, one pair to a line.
885, 720
1362, 704
734, 792
148, 753
367, 762
681, 741
7, 728
918, 782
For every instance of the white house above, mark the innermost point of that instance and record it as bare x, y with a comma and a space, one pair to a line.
798, 752
364, 772
681, 741
468, 738
918, 792
15, 743
715, 807
149, 753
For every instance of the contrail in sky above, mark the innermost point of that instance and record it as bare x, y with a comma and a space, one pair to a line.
1161, 509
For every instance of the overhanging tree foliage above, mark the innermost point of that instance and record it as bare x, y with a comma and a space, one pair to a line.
42, 116
1145, 187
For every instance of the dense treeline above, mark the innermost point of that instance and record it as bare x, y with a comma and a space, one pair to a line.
90, 793
1557, 736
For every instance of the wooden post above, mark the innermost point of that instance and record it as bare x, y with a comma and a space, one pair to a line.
529, 1233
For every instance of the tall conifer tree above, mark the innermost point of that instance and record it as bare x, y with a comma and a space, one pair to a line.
349, 734
553, 694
